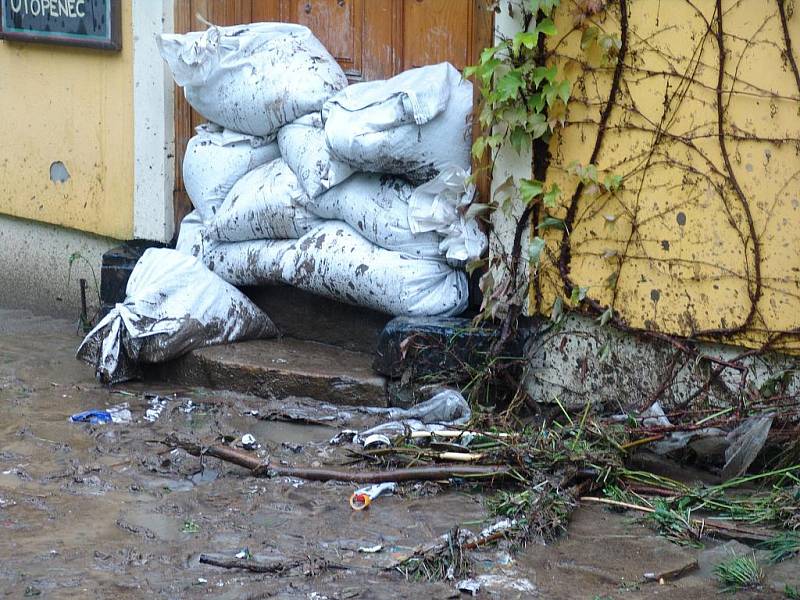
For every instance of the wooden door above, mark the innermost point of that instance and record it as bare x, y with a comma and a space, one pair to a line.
371, 39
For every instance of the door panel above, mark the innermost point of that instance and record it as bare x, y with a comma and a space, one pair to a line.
371, 39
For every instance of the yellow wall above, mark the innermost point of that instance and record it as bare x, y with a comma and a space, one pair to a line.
75, 106
677, 235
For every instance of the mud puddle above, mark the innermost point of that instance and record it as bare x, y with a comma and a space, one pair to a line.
95, 511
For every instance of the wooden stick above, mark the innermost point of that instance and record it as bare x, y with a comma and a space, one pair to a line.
249, 565
262, 469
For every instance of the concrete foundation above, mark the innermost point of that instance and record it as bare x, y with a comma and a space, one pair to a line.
35, 270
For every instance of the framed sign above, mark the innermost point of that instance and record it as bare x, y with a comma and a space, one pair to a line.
89, 23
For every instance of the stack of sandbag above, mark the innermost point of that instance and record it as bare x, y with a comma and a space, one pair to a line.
355, 193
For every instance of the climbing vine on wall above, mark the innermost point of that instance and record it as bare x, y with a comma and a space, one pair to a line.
665, 170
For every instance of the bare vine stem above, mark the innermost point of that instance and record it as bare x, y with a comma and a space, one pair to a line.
788, 40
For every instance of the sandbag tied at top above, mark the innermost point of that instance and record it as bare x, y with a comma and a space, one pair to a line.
304, 148
267, 203
253, 78
377, 207
333, 260
412, 124
215, 159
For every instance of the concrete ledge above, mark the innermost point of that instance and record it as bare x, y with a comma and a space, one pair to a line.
280, 368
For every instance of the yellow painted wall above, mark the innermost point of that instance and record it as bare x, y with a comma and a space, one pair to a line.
75, 106
677, 236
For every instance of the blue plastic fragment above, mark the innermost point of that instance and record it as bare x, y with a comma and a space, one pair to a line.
95, 417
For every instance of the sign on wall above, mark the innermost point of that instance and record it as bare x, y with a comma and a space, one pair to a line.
90, 23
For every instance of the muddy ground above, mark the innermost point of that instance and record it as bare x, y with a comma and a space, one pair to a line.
98, 511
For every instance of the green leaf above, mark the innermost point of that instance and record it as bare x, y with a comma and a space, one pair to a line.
564, 90
530, 189
589, 37
519, 139
605, 317
535, 250
509, 85
547, 27
557, 312
524, 38
474, 265
550, 199
537, 125
612, 182
479, 147
476, 210
488, 53
552, 223
542, 73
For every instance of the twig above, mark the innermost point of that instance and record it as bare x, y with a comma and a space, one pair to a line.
249, 565
262, 469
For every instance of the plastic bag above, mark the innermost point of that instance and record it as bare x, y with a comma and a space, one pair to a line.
253, 78
217, 158
335, 261
264, 204
412, 125
376, 206
446, 409
173, 305
440, 205
304, 148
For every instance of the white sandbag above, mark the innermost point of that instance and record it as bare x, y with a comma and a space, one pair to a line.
215, 159
440, 205
267, 203
304, 148
377, 207
253, 78
255, 262
412, 125
173, 305
190, 235
335, 261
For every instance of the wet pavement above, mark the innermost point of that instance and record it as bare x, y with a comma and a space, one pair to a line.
95, 511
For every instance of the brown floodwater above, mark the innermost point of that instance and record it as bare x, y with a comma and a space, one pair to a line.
99, 511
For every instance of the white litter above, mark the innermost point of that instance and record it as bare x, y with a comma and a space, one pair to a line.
173, 304
157, 406
370, 549
249, 442
253, 78
216, 158
264, 204
413, 124
305, 149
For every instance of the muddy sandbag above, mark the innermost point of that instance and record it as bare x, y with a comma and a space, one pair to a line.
335, 261
267, 203
254, 262
377, 207
253, 78
190, 234
173, 304
412, 124
441, 205
216, 158
304, 148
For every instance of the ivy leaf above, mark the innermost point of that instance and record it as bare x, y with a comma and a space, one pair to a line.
578, 294
589, 37
488, 53
605, 317
535, 250
509, 85
476, 210
536, 104
530, 189
524, 38
478, 148
557, 115
612, 182
542, 73
537, 125
557, 313
519, 139
474, 265
550, 199
547, 27
564, 90
504, 190
552, 223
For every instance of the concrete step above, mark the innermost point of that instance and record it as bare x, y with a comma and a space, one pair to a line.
281, 368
